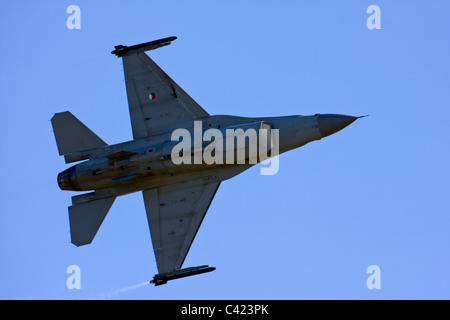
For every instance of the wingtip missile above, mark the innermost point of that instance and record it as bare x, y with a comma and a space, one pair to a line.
162, 278
121, 50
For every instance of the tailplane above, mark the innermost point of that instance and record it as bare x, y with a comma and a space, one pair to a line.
72, 136
86, 218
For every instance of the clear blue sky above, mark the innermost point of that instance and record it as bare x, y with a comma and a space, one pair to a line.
376, 193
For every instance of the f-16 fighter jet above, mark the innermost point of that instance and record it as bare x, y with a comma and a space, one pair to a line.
178, 157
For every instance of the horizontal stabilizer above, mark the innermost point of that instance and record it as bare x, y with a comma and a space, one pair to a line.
72, 135
86, 218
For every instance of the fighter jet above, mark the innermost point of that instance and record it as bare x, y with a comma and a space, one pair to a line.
176, 179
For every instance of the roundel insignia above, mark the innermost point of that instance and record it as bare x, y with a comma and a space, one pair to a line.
152, 96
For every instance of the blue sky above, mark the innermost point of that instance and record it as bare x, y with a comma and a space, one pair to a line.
376, 193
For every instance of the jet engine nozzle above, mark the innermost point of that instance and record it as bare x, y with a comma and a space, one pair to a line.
67, 179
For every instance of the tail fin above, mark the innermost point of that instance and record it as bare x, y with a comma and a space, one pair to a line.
72, 135
86, 218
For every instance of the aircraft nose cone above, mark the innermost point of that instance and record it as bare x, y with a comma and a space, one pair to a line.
332, 123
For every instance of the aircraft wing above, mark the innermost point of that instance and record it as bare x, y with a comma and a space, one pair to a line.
155, 101
174, 215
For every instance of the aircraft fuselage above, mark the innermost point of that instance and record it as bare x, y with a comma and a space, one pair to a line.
148, 163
